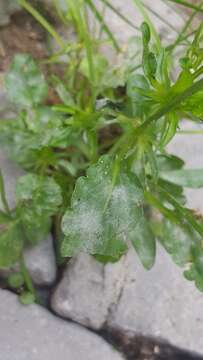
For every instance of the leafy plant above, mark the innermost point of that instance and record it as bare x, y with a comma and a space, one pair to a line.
97, 162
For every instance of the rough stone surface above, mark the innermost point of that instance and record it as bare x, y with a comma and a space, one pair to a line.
34, 333
159, 302
123, 31
190, 148
89, 291
7, 8
40, 259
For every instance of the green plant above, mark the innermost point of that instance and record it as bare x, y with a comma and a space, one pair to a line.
101, 191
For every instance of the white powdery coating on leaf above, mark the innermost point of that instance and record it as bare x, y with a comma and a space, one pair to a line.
120, 193
121, 210
87, 224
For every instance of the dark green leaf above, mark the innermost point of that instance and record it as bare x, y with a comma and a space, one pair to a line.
38, 198
146, 33
168, 162
15, 280
11, 243
144, 243
173, 189
172, 120
197, 257
4, 217
195, 105
149, 64
3, 195
27, 298
105, 259
184, 81
195, 272
35, 227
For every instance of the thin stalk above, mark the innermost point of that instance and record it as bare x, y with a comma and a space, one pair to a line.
182, 15
184, 212
27, 279
190, 132
120, 15
154, 202
198, 72
100, 18
186, 37
58, 237
103, 12
85, 36
185, 28
3, 195
141, 8
160, 18
60, 12
46, 25
187, 4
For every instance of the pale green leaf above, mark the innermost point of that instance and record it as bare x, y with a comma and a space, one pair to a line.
177, 242
104, 217
191, 178
25, 83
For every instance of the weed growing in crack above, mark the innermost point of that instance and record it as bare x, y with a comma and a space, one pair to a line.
98, 190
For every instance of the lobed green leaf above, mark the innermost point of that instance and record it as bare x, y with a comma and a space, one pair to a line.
105, 215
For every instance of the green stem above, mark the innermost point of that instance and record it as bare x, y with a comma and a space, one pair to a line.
3, 195
198, 72
115, 172
186, 4
58, 236
86, 38
27, 279
163, 20
184, 38
142, 10
100, 18
42, 21
190, 132
119, 14
185, 213
154, 202
184, 30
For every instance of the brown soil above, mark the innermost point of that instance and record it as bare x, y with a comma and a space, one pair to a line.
135, 347
22, 35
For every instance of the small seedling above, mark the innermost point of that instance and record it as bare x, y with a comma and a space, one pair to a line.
103, 194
